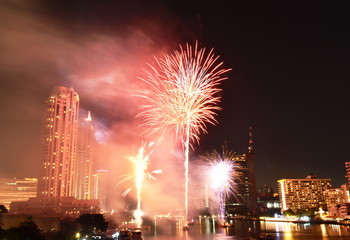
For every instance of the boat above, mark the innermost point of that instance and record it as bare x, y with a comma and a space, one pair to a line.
124, 234
136, 234
256, 236
225, 224
145, 227
186, 228
189, 223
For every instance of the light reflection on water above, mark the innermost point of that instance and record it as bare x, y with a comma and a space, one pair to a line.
208, 229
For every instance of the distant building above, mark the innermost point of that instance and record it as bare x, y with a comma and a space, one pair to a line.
303, 193
335, 196
347, 167
59, 205
99, 183
347, 186
85, 143
268, 202
340, 211
17, 189
245, 195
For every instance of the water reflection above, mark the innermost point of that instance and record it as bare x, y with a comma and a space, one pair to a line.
207, 228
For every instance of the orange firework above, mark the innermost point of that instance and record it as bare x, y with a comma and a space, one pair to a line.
182, 97
141, 162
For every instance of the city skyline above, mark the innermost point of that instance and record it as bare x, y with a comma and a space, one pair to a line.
289, 79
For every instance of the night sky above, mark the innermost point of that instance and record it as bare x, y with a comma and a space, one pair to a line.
289, 80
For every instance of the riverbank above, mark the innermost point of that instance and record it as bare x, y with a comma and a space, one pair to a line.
343, 222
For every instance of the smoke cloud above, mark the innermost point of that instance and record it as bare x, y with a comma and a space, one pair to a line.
99, 50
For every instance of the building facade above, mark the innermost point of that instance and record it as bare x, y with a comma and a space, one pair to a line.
83, 170
304, 193
335, 196
59, 205
99, 183
60, 147
347, 168
68, 147
340, 211
268, 202
17, 189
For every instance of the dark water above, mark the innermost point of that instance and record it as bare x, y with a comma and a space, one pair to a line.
207, 229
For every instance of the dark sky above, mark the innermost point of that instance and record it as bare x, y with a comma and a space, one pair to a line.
290, 77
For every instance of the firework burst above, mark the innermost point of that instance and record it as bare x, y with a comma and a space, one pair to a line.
140, 162
182, 97
221, 176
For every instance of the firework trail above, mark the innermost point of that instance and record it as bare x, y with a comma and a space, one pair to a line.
141, 162
182, 97
221, 176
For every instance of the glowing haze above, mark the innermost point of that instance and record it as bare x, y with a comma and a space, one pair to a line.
99, 55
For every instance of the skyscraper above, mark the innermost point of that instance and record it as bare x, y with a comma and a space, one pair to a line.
82, 181
65, 174
60, 147
99, 182
245, 194
250, 167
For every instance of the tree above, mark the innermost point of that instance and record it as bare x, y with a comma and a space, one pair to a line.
27, 230
2, 233
288, 212
3, 209
91, 223
300, 213
311, 212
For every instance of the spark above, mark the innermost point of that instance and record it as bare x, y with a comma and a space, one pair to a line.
141, 162
221, 176
182, 96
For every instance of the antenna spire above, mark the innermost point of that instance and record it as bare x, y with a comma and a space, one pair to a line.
250, 146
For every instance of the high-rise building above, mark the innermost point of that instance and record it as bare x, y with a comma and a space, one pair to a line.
99, 187
60, 148
82, 181
64, 182
245, 194
303, 193
347, 167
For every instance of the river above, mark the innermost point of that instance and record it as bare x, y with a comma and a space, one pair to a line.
207, 229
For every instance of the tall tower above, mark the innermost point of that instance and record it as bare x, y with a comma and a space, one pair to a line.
245, 198
60, 147
252, 199
82, 182
250, 145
